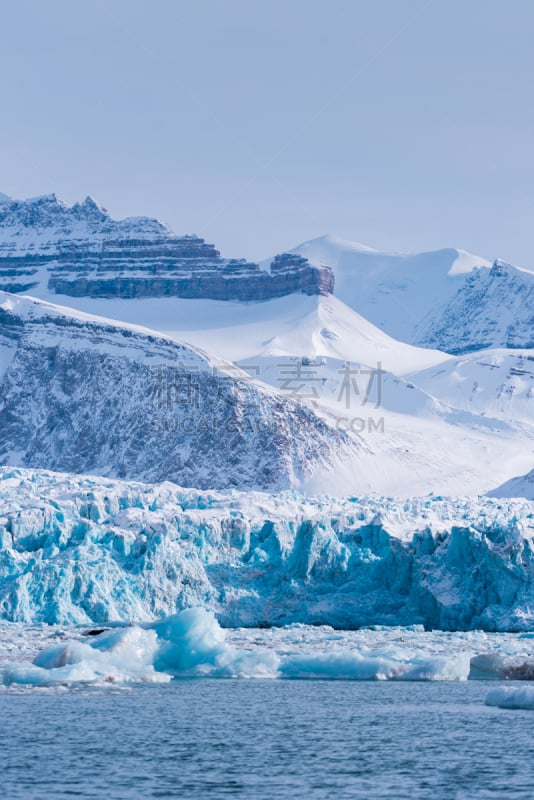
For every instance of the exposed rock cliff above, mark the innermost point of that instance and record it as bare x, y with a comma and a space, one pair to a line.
80, 251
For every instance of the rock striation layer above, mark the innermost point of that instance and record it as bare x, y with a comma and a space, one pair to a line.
80, 251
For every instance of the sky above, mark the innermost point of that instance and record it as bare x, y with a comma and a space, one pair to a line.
403, 124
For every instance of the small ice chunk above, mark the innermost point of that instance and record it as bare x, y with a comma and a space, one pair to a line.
388, 665
513, 697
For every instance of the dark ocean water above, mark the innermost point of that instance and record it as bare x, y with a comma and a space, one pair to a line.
265, 739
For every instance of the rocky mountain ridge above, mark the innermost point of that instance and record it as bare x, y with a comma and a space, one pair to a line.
493, 308
80, 251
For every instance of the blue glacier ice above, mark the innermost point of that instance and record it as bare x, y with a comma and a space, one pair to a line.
512, 697
192, 644
81, 550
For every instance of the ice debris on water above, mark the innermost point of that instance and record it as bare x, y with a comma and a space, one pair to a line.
192, 644
512, 697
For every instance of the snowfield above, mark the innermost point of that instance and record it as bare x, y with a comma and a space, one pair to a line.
90, 550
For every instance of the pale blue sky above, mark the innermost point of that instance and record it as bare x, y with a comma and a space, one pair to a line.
404, 124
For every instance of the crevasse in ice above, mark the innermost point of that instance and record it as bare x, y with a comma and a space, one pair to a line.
76, 550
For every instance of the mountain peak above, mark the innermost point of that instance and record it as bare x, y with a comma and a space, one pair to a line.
93, 204
492, 308
329, 240
51, 199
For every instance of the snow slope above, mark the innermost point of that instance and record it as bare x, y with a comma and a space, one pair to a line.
523, 486
495, 383
299, 325
84, 394
85, 549
318, 327
395, 291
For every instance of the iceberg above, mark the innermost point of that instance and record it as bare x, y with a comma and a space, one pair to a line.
392, 664
193, 644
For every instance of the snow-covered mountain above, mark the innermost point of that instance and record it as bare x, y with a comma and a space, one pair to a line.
448, 299
495, 383
82, 394
395, 291
431, 422
493, 308
328, 394
82, 549
81, 251
522, 486
75, 398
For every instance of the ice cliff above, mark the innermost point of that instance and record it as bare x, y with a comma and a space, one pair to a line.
82, 549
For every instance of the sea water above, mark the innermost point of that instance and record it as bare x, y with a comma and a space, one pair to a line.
206, 738
182, 708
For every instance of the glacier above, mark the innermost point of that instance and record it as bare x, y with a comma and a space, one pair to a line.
89, 550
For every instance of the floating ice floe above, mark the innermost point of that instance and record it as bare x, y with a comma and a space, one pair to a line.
513, 697
192, 644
